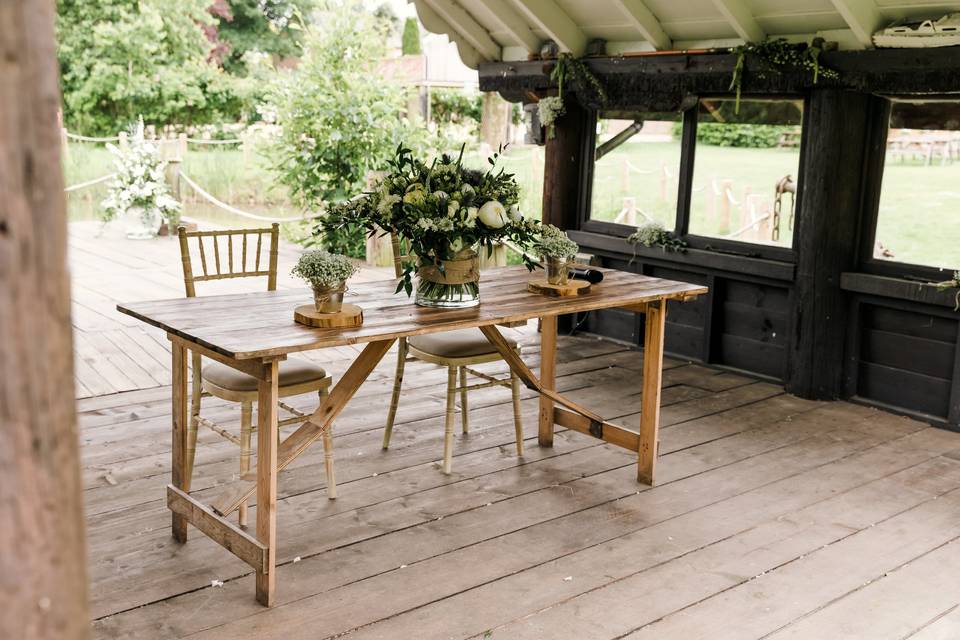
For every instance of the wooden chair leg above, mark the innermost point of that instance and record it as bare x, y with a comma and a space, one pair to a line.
463, 399
448, 430
328, 455
517, 418
196, 392
246, 429
395, 398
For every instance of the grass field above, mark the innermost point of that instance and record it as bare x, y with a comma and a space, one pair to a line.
917, 210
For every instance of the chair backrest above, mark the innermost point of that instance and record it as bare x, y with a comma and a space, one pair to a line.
221, 245
401, 253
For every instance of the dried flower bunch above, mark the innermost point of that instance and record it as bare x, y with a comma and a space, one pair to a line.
554, 243
322, 269
440, 207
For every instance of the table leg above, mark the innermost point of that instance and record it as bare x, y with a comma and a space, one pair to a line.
179, 464
655, 323
267, 430
548, 362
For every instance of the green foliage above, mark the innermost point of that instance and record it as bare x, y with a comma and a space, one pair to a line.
455, 106
273, 27
759, 136
776, 55
410, 44
337, 124
121, 58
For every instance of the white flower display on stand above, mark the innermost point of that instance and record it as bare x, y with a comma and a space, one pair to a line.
138, 193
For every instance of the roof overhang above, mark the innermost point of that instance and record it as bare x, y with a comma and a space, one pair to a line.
509, 30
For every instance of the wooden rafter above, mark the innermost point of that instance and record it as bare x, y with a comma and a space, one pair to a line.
512, 23
862, 16
646, 23
554, 22
434, 22
738, 15
467, 27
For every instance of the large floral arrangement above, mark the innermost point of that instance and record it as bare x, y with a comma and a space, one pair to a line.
442, 209
139, 181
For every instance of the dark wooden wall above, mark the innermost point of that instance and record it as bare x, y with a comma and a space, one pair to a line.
823, 317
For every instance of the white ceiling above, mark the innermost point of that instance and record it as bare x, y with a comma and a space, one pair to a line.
489, 30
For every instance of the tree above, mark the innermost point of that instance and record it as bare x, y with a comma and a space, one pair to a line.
339, 119
123, 58
411, 38
273, 27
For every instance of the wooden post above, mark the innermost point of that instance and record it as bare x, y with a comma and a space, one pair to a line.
561, 167
723, 226
42, 563
179, 464
122, 139
825, 238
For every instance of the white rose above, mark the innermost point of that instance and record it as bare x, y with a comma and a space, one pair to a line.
514, 213
493, 214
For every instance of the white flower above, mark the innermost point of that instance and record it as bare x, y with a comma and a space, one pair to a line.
549, 109
452, 208
467, 190
514, 213
493, 215
440, 195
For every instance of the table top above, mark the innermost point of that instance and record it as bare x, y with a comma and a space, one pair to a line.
261, 325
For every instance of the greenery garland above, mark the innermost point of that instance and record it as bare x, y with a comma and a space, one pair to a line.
652, 234
777, 55
953, 283
590, 89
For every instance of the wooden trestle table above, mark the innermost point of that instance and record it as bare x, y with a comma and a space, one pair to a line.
254, 332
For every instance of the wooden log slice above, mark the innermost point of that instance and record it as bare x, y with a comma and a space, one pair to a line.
572, 288
349, 316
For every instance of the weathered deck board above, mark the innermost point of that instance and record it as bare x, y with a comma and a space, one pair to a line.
116, 353
753, 481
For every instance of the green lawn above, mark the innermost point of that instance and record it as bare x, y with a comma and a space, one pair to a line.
915, 212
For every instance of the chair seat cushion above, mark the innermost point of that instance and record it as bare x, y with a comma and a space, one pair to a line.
463, 343
292, 372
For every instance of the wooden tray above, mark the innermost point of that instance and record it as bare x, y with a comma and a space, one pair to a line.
349, 316
572, 288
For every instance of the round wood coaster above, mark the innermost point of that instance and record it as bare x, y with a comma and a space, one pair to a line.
572, 288
350, 315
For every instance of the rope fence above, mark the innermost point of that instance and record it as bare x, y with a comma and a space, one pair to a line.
80, 138
226, 207
89, 183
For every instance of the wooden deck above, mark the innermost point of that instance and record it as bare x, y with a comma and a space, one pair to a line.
114, 352
774, 517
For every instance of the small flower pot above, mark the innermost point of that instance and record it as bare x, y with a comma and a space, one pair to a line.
329, 299
557, 270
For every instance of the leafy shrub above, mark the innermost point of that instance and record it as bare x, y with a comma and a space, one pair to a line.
758, 136
455, 106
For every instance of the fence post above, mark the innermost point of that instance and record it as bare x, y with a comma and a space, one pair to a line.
171, 152
723, 226
64, 143
122, 139
182, 151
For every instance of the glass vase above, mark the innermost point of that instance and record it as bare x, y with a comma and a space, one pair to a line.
557, 269
141, 223
453, 284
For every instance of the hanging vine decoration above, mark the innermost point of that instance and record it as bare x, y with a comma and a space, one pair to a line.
953, 283
776, 56
589, 89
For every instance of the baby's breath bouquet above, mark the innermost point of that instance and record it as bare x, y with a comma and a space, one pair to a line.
446, 213
554, 243
327, 273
